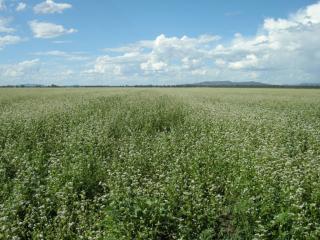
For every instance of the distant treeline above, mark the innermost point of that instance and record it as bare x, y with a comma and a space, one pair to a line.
164, 86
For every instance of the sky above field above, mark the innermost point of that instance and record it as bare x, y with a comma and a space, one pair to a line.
117, 42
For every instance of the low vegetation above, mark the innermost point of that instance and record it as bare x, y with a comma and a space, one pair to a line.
159, 164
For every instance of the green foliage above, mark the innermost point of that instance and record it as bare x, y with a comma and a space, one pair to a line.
159, 164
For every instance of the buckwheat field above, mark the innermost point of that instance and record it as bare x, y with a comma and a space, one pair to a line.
108, 163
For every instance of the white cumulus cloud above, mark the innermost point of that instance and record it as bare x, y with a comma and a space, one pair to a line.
4, 25
153, 65
163, 55
19, 69
48, 30
283, 51
249, 61
9, 40
72, 56
21, 7
49, 7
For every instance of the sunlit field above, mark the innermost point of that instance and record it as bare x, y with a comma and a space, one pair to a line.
116, 163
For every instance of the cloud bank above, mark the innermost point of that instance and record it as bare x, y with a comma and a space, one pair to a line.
282, 51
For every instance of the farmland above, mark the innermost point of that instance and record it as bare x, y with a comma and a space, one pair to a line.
116, 163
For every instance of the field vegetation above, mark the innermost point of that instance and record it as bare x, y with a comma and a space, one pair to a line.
159, 164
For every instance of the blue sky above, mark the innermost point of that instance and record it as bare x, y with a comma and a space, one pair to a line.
158, 42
